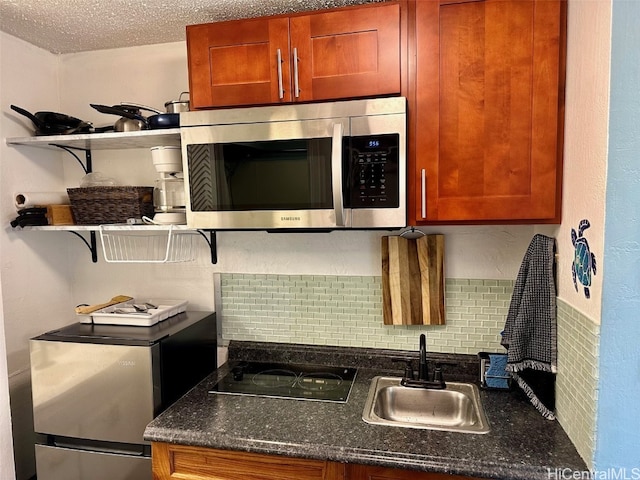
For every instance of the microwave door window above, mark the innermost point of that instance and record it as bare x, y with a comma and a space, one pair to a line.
320, 187
221, 189
206, 192
265, 175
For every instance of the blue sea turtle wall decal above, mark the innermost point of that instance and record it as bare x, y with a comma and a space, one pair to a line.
584, 262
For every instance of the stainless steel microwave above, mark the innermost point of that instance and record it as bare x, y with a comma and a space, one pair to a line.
313, 166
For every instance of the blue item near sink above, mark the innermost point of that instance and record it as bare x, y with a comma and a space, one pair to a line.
492, 370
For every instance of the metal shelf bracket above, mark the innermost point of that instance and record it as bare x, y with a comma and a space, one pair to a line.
87, 165
91, 244
212, 242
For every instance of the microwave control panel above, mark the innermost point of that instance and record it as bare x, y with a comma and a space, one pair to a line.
371, 176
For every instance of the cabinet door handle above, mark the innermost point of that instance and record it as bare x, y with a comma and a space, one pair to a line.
423, 193
280, 87
295, 73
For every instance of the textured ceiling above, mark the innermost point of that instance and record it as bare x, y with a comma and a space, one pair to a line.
68, 26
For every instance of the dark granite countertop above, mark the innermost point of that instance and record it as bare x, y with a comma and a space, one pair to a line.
521, 445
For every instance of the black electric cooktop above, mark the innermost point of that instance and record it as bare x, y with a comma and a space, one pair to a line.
286, 380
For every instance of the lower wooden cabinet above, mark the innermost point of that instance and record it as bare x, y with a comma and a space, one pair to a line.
366, 472
197, 463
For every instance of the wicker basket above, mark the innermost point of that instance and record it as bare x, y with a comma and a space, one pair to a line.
105, 205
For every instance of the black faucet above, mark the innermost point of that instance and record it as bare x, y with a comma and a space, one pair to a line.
423, 373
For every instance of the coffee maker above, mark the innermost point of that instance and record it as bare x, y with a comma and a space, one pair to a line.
168, 194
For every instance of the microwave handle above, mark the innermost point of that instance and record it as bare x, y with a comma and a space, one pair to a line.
336, 172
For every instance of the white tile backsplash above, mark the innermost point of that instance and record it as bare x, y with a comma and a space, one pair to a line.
347, 311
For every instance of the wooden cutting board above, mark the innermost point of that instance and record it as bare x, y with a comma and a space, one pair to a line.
413, 280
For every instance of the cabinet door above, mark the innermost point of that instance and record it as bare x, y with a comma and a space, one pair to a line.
236, 62
353, 52
178, 461
365, 472
488, 112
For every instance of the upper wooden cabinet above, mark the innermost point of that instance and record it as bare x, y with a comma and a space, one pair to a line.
486, 110
332, 54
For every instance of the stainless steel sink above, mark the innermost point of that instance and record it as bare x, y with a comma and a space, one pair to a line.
457, 408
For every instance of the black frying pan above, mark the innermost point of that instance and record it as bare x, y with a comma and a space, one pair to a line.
52, 123
159, 120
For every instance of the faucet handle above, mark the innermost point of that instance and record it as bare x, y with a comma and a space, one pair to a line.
437, 371
437, 374
408, 367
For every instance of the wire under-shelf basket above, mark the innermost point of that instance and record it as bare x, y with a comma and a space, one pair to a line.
148, 245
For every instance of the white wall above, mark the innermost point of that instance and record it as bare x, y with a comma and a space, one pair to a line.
148, 75
34, 268
35, 286
585, 145
584, 197
153, 75
7, 469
